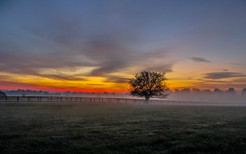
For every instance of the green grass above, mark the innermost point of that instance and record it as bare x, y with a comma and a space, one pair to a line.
121, 128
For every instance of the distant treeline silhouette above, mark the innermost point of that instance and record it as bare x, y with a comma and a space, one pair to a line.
21, 92
216, 91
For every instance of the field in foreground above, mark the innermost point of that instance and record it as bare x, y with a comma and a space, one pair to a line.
121, 128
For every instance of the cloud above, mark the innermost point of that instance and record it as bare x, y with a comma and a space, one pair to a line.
64, 77
117, 79
4, 77
225, 70
64, 42
199, 59
222, 75
110, 54
59, 39
65, 32
94, 84
105, 53
113, 54
160, 68
240, 80
30, 63
16, 85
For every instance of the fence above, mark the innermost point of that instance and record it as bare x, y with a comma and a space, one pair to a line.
55, 99
68, 99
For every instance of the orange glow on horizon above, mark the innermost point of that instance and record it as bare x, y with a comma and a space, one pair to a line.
178, 79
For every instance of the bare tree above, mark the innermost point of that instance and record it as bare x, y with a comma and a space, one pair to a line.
148, 84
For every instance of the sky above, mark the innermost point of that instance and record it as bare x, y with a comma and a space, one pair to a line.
97, 45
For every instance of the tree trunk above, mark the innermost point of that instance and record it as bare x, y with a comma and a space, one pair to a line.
146, 99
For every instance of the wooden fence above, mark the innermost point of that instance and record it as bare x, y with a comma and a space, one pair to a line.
68, 99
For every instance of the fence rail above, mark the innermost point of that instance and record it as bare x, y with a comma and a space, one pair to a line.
55, 99
69, 99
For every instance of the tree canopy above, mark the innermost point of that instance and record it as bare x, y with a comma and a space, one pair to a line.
148, 84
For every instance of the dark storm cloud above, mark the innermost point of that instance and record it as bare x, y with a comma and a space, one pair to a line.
200, 59
222, 75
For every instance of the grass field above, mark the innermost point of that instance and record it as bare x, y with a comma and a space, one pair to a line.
121, 128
